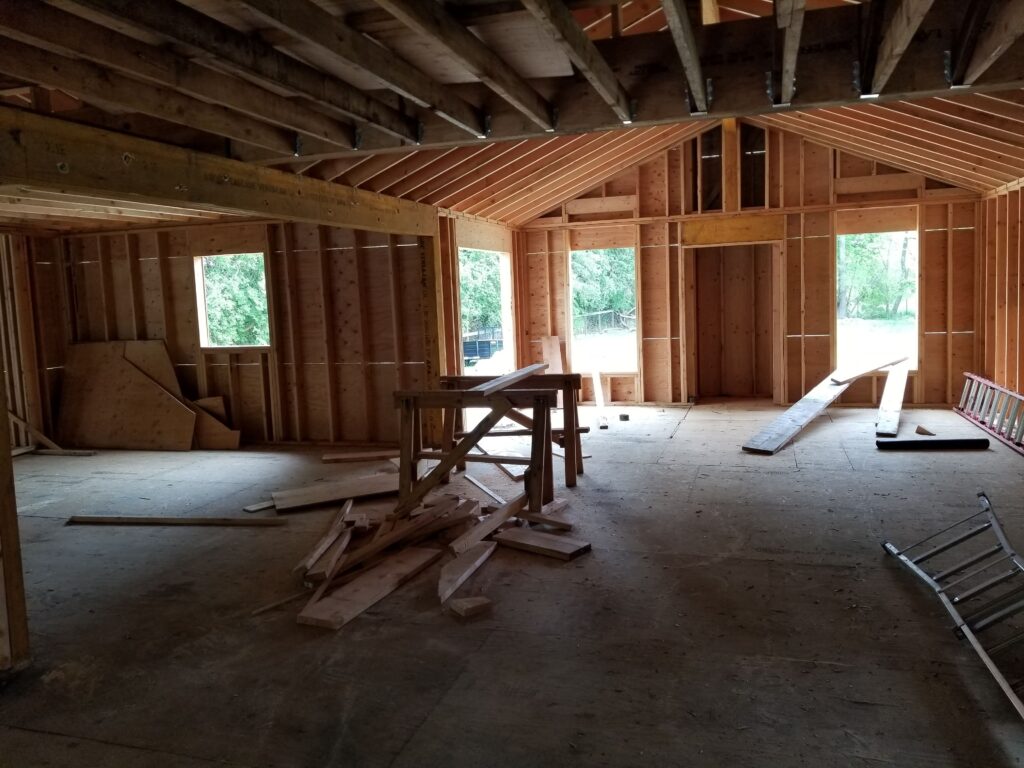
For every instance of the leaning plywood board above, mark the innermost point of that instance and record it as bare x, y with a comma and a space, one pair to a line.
785, 427
341, 606
540, 543
109, 403
213, 406
888, 424
455, 573
152, 359
212, 435
339, 490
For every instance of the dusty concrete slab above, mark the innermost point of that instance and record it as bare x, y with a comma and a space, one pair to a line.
736, 610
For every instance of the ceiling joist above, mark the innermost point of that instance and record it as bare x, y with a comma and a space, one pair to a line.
903, 25
1006, 25
686, 45
789, 14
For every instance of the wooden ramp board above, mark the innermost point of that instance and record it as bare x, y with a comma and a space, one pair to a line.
455, 573
847, 376
341, 606
562, 547
785, 427
338, 490
888, 424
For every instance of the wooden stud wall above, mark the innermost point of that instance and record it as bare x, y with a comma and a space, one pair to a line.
812, 192
1001, 291
350, 321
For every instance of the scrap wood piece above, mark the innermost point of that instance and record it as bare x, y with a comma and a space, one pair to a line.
502, 462
342, 458
338, 490
923, 430
332, 533
888, 424
542, 543
107, 402
484, 529
465, 607
455, 573
502, 382
935, 444
148, 520
259, 506
484, 488
39, 436
341, 606
63, 452
546, 518
848, 376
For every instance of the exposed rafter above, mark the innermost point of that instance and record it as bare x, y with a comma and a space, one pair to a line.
308, 21
1006, 25
558, 21
54, 30
906, 19
686, 44
201, 33
789, 15
432, 20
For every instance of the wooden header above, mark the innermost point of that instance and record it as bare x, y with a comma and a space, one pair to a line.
54, 154
733, 230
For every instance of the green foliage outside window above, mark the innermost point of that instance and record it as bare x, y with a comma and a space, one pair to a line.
877, 275
603, 279
479, 289
236, 300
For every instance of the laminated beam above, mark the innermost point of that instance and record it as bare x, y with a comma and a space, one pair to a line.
555, 17
1005, 26
310, 23
901, 30
686, 45
432, 20
201, 33
49, 153
44, 26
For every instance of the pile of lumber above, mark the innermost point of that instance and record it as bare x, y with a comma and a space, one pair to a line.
125, 394
368, 552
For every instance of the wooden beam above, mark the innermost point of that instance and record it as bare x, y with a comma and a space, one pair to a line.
1004, 28
789, 14
196, 31
686, 45
41, 151
902, 26
556, 18
43, 25
311, 24
14, 648
432, 20
92, 82
488, 388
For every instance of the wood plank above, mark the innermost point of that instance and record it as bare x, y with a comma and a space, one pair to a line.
257, 522
785, 427
1003, 30
546, 518
341, 606
903, 24
458, 571
353, 456
686, 46
495, 385
259, 506
331, 535
493, 521
54, 153
888, 424
789, 15
841, 376
338, 490
538, 542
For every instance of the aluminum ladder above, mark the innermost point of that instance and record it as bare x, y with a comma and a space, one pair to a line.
997, 410
977, 576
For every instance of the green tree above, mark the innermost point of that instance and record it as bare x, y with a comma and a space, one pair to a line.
236, 300
479, 289
603, 279
875, 274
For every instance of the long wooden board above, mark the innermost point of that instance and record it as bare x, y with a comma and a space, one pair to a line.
501, 382
339, 490
344, 458
891, 405
341, 606
538, 542
774, 437
256, 522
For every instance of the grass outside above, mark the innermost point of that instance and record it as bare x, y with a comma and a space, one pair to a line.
861, 343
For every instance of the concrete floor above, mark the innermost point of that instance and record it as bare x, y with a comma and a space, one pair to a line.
736, 610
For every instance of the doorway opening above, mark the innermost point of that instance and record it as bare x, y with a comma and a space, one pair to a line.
876, 298
734, 320
485, 302
603, 287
